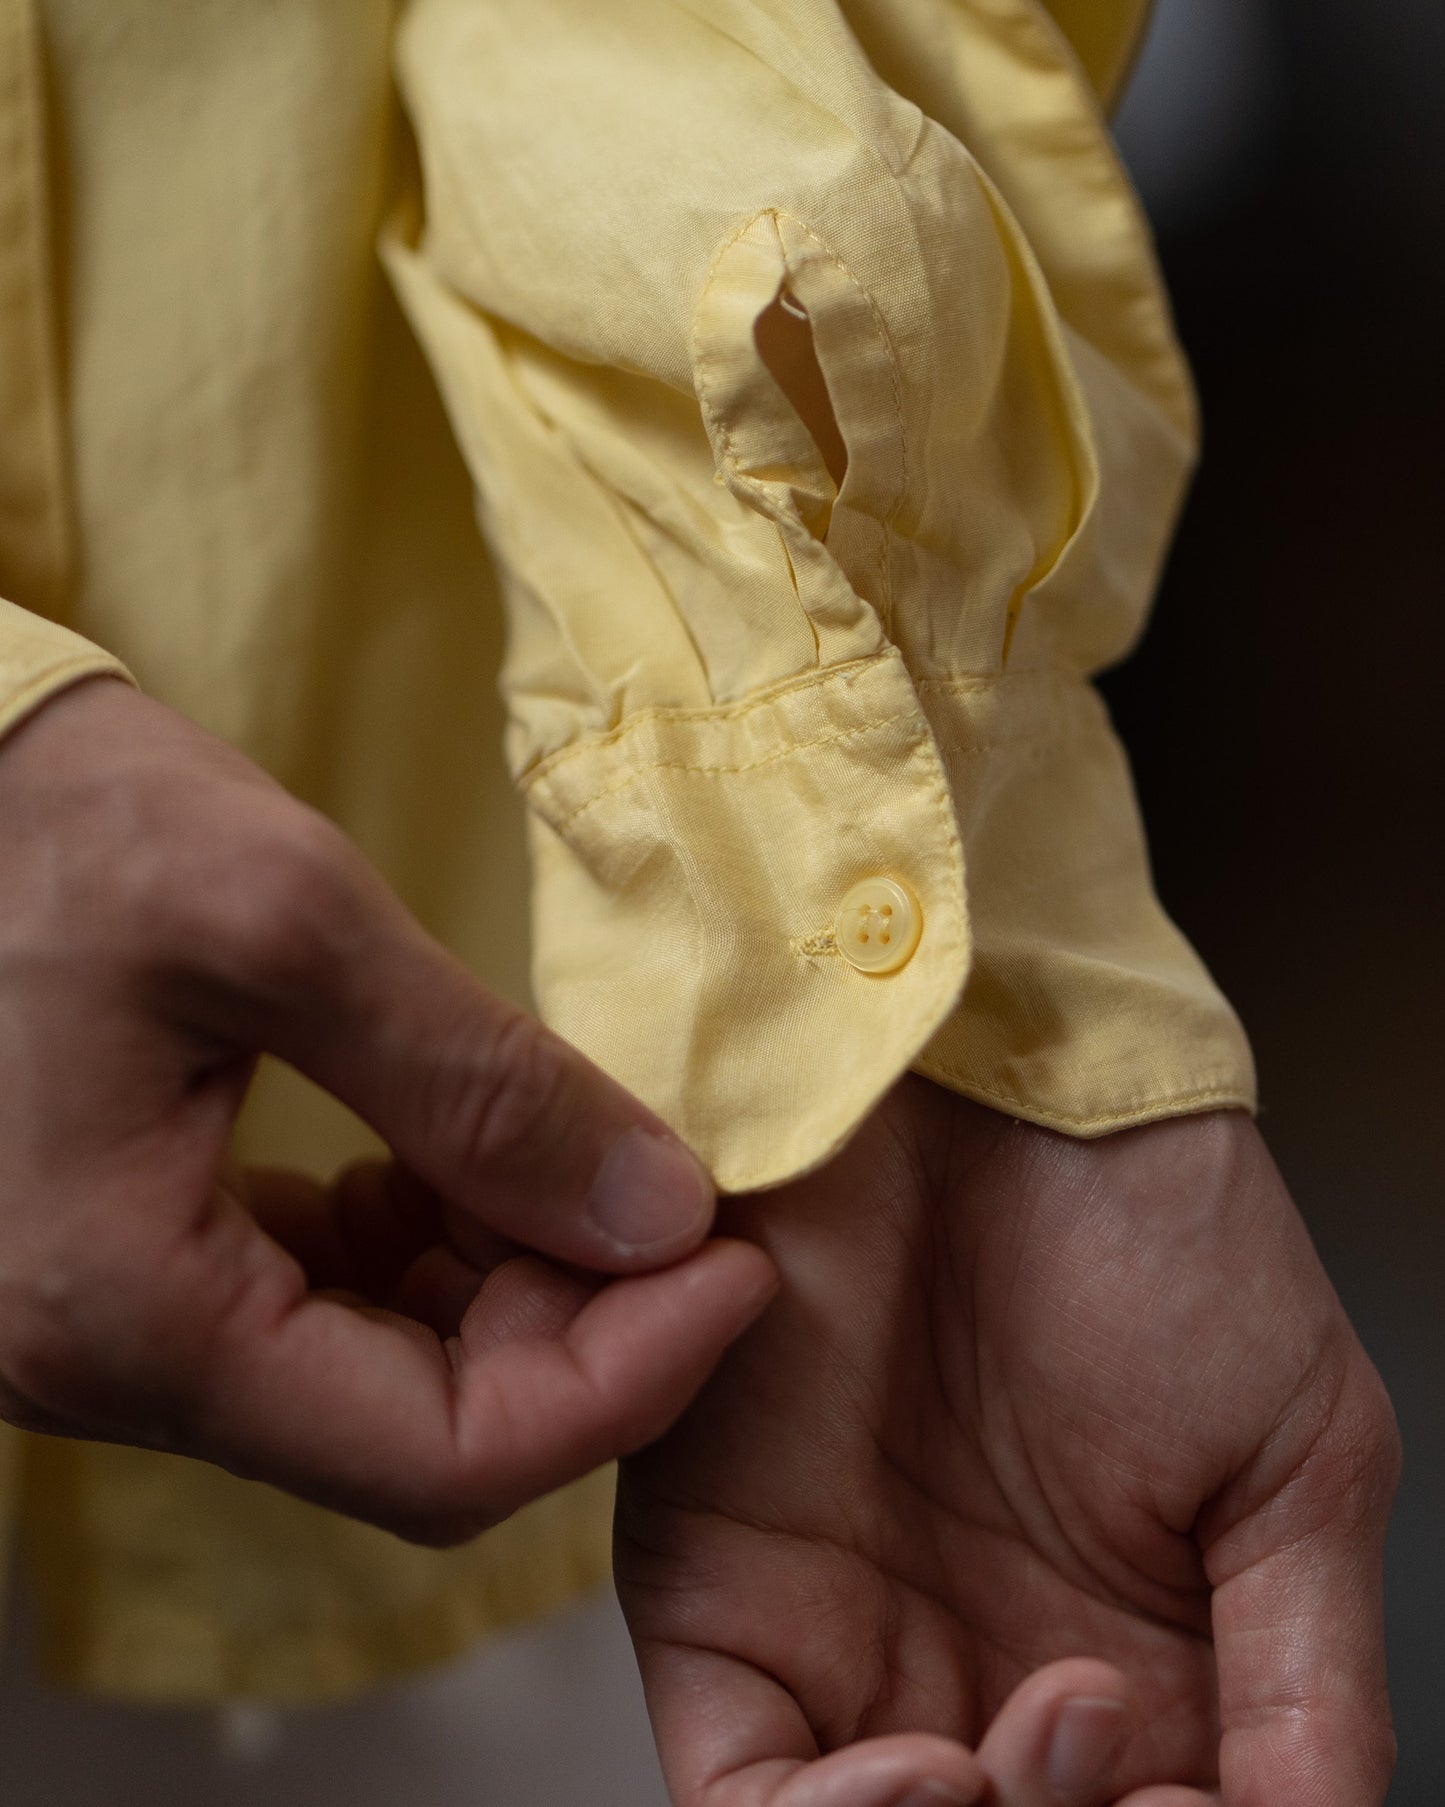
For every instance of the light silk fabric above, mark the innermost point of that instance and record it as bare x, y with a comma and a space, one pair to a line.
828, 429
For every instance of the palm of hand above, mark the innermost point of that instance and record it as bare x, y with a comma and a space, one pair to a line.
1022, 1399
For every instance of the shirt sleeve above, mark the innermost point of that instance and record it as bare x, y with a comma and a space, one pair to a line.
38, 657
829, 430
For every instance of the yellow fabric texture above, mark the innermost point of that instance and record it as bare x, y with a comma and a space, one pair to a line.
737, 686
814, 375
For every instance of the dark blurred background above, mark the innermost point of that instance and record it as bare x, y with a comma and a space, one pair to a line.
1285, 718
1285, 711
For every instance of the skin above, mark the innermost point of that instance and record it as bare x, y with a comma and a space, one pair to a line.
1023, 1400
167, 912
1036, 1428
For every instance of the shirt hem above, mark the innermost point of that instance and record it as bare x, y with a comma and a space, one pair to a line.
1192, 1100
37, 691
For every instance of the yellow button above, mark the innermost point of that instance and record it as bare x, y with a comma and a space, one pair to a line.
878, 926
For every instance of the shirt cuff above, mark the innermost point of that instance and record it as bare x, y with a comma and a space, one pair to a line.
690, 868
39, 658
1086, 1010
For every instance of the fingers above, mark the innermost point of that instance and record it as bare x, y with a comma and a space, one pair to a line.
520, 1299
728, 1734
495, 1113
731, 1735
911, 1769
437, 1290
497, 1389
1058, 1738
319, 963
216, 916
297, 1212
268, 930
1299, 1616
1170, 1797
510, 1124
370, 1414
193, 915
377, 1233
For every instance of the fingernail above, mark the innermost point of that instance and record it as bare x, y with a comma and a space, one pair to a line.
933, 1794
648, 1192
1087, 1736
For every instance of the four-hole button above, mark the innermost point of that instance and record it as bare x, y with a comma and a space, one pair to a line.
878, 925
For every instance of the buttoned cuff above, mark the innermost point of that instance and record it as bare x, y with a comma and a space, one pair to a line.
690, 871
39, 658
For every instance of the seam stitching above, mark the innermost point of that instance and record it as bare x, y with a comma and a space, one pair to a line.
704, 362
850, 673
967, 682
706, 392
710, 771
847, 676
880, 327
974, 749
1019, 1107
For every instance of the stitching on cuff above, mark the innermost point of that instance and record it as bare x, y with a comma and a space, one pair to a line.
853, 732
981, 682
1145, 1110
850, 672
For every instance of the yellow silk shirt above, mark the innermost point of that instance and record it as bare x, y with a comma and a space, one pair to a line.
827, 428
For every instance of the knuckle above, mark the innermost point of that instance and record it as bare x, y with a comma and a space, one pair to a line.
280, 919
497, 1097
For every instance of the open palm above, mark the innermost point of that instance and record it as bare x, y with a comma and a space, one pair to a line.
1022, 1398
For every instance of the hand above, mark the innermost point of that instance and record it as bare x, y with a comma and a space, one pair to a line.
166, 912
1022, 1399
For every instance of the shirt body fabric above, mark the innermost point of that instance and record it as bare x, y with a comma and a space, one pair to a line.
808, 366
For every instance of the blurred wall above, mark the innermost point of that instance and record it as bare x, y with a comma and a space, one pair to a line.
1285, 712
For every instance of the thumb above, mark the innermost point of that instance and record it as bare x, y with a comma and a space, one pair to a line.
500, 1116
1299, 1614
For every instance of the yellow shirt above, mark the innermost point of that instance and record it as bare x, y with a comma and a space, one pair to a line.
828, 429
